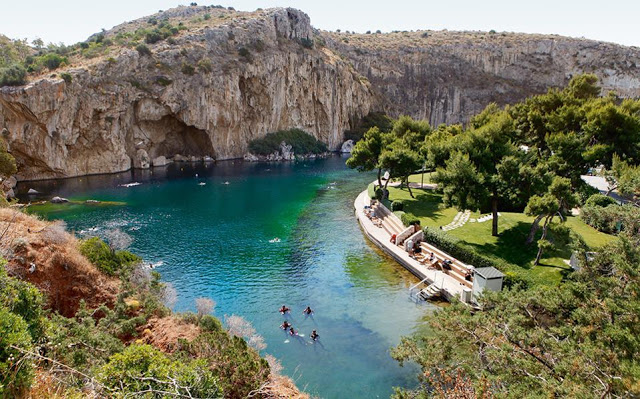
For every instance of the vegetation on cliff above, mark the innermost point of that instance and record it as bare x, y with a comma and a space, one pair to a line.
301, 142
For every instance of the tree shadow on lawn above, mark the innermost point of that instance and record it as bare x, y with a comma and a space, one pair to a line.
511, 247
426, 204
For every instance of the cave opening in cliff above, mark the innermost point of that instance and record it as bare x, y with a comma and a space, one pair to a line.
170, 136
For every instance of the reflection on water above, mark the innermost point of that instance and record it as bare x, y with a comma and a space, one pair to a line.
217, 240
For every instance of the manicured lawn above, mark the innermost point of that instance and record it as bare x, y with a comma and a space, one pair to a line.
513, 231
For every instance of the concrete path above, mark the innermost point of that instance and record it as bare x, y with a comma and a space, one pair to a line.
451, 288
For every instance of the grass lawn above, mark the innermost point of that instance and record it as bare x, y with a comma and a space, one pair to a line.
513, 230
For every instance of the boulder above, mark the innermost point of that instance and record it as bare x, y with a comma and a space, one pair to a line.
160, 161
32, 191
193, 158
251, 157
58, 200
178, 158
90, 201
9, 183
207, 158
287, 152
10, 194
142, 160
347, 147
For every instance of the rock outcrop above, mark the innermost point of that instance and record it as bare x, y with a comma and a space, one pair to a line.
206, 95
211, 89
447, 77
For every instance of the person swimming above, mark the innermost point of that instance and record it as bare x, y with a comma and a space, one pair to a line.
292, 331
285, 325
314, 335
307, 311
284, 309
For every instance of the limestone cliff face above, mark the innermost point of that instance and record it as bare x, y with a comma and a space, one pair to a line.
446, 77
211, 89
249, 77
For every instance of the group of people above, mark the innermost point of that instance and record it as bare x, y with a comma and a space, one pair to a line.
288, 327
371, 214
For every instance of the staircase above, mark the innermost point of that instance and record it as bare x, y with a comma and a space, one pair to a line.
430, 292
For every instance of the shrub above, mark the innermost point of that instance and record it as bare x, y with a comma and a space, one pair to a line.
163, 81
141, 368
600, 200
371, 190
52, 61
16, 369
24, 300
205, 65
409, 219
585, 191
397, 206
244, 53
300, 141
13, 75
380, 194
188, 69
306, 42
207, 17
153, 37
106, 260
612, 218
66, 77
143, 50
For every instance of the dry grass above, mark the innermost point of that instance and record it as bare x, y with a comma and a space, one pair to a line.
165, 332
44, 254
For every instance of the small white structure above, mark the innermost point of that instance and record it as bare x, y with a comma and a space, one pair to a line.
487, 278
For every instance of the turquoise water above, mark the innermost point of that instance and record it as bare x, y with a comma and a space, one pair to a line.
213, 241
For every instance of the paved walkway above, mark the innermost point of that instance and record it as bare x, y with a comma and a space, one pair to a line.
450, 287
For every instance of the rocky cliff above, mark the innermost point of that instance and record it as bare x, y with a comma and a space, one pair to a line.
206, 95
229, 77
446, 77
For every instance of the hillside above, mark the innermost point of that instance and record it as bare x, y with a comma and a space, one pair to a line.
204, 81
69, 329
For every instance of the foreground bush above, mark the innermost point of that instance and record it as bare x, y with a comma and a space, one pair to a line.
612, 218
600, 200
14, 75
142, 368
300, 141
104, 258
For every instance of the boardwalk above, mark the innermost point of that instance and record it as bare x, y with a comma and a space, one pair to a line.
452, 285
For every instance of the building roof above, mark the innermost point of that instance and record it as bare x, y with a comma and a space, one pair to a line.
489, 273
598, 182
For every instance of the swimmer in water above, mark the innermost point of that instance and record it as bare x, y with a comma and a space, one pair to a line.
292, 331
314, 335
284, 309
307, 311
285, 325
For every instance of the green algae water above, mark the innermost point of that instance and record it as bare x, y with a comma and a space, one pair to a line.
211, 229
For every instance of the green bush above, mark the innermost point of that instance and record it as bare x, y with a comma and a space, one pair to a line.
585, 191
188, 69
66, 77
16, 369
52, 61
24, 300
141, 368
300, 141
153, 37
371, 190
143, 50
13, 75
600, 200
205, 65
108, 261
409, 219
306, 42
397, 206
612, 218
380, 194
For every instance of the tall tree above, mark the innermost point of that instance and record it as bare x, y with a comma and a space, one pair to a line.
366, 153
558, 200
485, 145
401, 161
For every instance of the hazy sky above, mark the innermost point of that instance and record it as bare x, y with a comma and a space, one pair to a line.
618, 21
